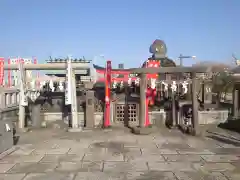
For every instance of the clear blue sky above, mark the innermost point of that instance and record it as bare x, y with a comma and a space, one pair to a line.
121, 30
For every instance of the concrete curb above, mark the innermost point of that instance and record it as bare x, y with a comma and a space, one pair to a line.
7, 152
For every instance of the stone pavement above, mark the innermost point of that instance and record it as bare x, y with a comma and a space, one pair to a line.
52, 154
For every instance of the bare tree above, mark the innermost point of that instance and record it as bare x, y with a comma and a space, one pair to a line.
221, 79
222, 83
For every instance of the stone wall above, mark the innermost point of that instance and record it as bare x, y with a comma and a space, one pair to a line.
205, 117
50, 117
212, 117
6, 135
156, 117
8, 117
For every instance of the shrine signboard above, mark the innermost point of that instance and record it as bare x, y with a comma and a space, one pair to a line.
23, 96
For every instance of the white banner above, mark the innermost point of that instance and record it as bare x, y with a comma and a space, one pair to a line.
68, 83
23, 96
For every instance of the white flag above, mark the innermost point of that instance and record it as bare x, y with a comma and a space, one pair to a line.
68, 87
7, 127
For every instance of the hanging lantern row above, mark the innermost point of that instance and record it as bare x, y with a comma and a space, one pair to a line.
153, 82
39, 86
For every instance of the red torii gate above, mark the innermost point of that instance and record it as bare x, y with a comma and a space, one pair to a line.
150, 93
1, 71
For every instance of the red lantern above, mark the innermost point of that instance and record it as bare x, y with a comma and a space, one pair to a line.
149, 92
154, 92
151, 102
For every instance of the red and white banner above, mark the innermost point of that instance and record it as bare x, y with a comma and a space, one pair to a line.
1, 70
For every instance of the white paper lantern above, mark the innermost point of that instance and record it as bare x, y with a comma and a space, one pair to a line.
51, 85
174, 86
184, 86
153, 83
60, 86
165, 86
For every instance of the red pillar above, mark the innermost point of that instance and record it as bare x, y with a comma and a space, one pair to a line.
107, 94
1, 71
150, 96
37, 75
147, 122
9, 74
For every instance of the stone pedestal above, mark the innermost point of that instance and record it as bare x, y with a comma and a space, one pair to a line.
21, 117
89, 113
6, 135
174, 119
235, 103
36, 115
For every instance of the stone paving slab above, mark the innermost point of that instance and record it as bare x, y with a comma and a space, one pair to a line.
21, 159
131, 153
6, 167
158, 150
51, 151
235, 151
147, 175
124, 167
103, 157
195, 151
237, 167
199, 144
167, 155
232, 175
49, 176
12, 176
33, 168
58, 158
220, 158
200, 176
211, 167
77, 150
80, 166
223, 145
183, 157
175, 146
23, 151
99, 176
145, 158
171, 166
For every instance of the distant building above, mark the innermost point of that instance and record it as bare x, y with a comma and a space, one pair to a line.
80, 74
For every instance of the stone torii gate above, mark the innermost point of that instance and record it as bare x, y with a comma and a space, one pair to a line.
70, 77
143, 86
